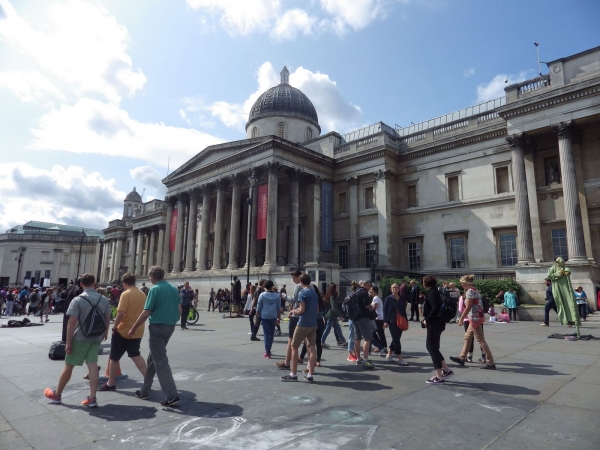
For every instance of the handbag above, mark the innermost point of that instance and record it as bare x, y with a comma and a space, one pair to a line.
401, 322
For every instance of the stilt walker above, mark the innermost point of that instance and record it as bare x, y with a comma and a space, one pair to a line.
564, 296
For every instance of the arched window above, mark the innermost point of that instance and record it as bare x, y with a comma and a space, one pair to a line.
280, 129
308, 133
255, 132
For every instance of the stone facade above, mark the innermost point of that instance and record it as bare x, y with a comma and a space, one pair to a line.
498, 189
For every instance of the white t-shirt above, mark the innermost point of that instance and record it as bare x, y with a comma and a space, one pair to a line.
378, 304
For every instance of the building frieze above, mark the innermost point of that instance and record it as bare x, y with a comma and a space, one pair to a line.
496, 198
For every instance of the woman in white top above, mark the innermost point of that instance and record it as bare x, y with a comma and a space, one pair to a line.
379, 334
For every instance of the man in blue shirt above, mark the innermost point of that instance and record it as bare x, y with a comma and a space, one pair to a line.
550, 303
306, 330
187, 296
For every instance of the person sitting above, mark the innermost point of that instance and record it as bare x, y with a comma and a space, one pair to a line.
503, 316
492, 313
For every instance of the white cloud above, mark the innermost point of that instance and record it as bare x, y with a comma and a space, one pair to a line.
30, 86
334, 111
91, 126
69, 195
82, 45
495, 88
355, 14
467, 73
148, 176
292, 23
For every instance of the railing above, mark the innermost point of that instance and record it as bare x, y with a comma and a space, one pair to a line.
451, 127
533, 85
368, 131
341, 149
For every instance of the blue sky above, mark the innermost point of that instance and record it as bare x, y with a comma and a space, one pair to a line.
98, 96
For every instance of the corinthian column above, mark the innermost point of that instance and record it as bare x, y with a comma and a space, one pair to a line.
575, 240
217, 251
183, 199
525, 239
206, 192
271, 243
160, 244
166, 256
191, 240
353, 209
294, 175
234, 229
139, 252
152, 246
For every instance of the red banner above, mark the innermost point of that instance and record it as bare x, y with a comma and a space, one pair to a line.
261, 215
173, 232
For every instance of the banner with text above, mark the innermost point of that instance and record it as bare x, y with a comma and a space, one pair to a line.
261, 214
173, 232
326, 216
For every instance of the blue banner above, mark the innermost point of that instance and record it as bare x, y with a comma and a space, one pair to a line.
326, 216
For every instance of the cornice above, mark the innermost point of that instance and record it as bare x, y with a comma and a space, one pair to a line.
456, 204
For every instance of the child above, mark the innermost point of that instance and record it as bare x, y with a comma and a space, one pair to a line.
492, 313
503, 317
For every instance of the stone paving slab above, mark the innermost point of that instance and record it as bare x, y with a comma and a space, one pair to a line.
543, 395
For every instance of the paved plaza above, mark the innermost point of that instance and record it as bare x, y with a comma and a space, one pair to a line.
544, 395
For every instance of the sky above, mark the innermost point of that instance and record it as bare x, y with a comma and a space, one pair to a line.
97, 97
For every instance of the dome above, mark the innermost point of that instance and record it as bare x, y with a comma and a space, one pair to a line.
284, 100
133, 196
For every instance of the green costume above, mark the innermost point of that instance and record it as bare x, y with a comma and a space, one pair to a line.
562, 290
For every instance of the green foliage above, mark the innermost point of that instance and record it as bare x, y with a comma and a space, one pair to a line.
113, 312
487, 288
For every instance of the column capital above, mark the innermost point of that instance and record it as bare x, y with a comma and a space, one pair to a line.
194, 193
564, 129
221, 184
295, 174
171, 200
205, 189
516, 140
316, 179
184, 198
383, 174
236, 179
352, 181
273, 167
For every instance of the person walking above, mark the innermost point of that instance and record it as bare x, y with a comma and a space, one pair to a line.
268, 310
466, 321
474, 311
211, 299
256, 323
394, 305
320, 329
163, 307
286, 363
435, 327
414, 301
581, 301
550, 303
510, 302
334, 312
187, 297
45, 305
379, 334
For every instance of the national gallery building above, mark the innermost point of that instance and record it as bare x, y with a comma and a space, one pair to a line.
498, 189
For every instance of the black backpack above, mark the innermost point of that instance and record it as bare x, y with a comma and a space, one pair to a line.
352, 307
449, 306
94, 324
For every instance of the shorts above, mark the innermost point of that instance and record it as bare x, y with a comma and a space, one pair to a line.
83, 351
119, 345
293, 323
304, 333
363, 329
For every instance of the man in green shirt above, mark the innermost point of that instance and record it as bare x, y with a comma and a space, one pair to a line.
163, 306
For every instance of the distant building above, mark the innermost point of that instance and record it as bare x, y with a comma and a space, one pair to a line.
498, 189
49, 254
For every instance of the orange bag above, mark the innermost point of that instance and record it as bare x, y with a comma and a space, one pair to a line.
401, 322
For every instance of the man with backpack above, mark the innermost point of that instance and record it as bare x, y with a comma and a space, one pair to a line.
89, 316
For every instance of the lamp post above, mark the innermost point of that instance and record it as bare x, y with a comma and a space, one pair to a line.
80, 247
373, 249
18, 259
252, 180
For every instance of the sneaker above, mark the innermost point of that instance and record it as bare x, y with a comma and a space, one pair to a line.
367, 364
266, 355
289, 378
282, 366
309, 379
325, 345
249, 334
447, 374
351, 358
383, 352
306, 371
458, 361
254, 339
51, 394
390, 359
278, 333
359, 361
543, 325
402, 363
343, 344
90, 402
481, 360
469, 359
488, 366
106, 387
171, 402
434, 380
139, 394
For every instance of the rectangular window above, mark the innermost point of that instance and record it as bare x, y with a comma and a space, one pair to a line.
457, 253
38, 276
343, 256
369, 197
508, 250
502, 183
414, 256
453, 190
342, 203
127, 246
28, 275
411, 196
559, 244
369, 256
47, 273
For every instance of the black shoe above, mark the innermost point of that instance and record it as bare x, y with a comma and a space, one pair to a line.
457, 360
289, 378
139, 394
309, 379
106, 387
488, 366
254, 339
170, 402
411, 319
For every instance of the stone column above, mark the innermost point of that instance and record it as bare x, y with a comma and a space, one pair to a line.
206, 192
313, 220
353, 260
234, 228
294, 176
183, 199
524, 238
133, 249
383, 202
191, 239
166, 257
160, 244
139, 253
119, 254
271, 242
575, 240
253, 213
73, 264
151, 248
55, 267
103, 262
113, 252
218, 251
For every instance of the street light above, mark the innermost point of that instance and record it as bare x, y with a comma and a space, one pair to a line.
80, 247
18, 259
252, 180
373, 249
